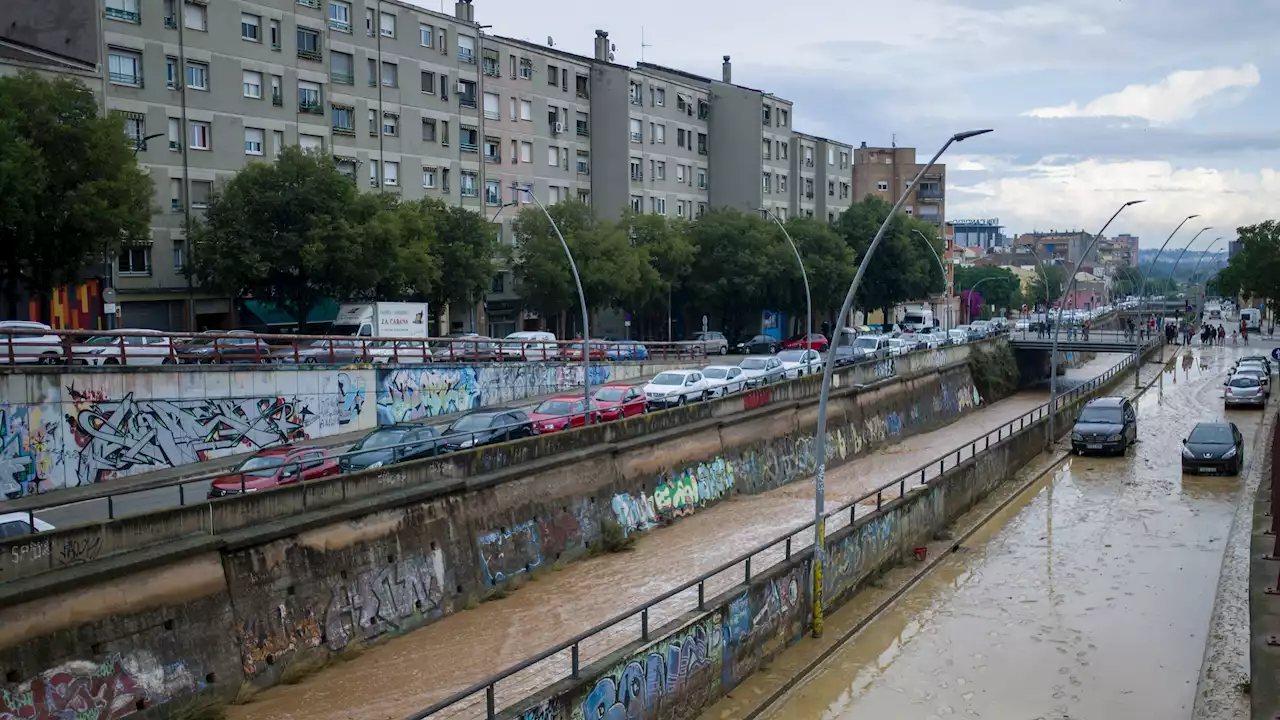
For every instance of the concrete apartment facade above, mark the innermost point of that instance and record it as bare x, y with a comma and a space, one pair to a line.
886, 172
824, 175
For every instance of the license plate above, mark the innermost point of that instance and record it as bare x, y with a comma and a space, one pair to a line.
1093, 446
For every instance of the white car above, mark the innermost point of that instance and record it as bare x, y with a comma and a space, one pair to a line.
898, 347
931, 340
148, 347
798, 363
675, 387
762, 370
17, 524
870, 346
39, 345
536, 345
959, 336
724, 379
1021, 325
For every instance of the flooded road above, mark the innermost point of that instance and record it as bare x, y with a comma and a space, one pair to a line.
1090, 597
408, 673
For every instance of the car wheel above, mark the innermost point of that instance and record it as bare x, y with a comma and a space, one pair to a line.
167, 361
49, 359
111, 361
682, 400
773, 349
724, 349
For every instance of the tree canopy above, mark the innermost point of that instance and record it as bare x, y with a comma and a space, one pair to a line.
71, 191
1254, 271
999, 286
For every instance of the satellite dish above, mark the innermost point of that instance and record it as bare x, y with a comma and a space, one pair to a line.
613, 47
610, 57
550, 42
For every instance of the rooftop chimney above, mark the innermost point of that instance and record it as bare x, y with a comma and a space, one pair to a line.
726, 70
463, 11
602, 46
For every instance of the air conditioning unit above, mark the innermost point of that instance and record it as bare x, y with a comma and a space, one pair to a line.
559, 128
461, 87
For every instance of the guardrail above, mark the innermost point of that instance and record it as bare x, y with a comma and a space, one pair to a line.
22, 346
617, 630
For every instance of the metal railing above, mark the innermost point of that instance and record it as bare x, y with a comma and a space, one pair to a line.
636, 623
100, 348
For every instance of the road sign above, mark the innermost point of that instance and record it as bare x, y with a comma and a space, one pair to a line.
109, 296
1024, 308
1276, 354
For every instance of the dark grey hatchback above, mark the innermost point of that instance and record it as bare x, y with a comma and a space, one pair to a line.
1105, 425
1213, 447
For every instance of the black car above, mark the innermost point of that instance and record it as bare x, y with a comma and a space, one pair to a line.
1105, 425
391, 444
758, 345
1213, 447
487, 427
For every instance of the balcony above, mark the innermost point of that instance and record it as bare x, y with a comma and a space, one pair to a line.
468, 147
582, 129
467, 102
310, 3
584, 169
637, 137
277, 100
175, 146
469, 192
927, 193
493, 159
131, 79
350, 131
310, 55
491, 68
702, 149
637, 175
124, 15
467, 56
311, 107
342, 78
339, 25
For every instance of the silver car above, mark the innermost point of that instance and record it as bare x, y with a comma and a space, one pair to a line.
762, 370
1244, 391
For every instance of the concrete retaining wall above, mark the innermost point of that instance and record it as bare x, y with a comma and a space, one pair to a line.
61, 429
157, 620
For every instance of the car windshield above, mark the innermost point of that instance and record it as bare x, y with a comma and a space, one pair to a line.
668, 378
609, 394
102, 340
554, 407
472, 423
753, 364
1244, 382
380, 439
866, 343
716, 373
262, 462
791, 356
1211, 435
1101, 415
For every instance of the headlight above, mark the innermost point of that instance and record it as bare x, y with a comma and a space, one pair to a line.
1077, 436
1229, 454
375, 465
1187, 453
1114, 438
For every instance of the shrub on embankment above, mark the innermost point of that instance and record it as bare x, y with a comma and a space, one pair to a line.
994, 372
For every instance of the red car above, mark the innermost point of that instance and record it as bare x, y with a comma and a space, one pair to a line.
620, 401
274, 467
797, 342
559, 413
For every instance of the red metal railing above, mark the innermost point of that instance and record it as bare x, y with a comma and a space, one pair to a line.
140, 347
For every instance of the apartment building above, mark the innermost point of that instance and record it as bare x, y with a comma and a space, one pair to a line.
887, 172
824, 176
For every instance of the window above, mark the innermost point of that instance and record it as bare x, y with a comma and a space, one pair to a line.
764, 181
766, 147
342, 68
252, 84
468, 184
702, 179
340, 16
492, 193
882, 186
343, 120
467, 93
659, 97
584, 163
526, 69
428, 130
492, 106
637, 133
428, 82
390, 173
783, 117
275, 34
308, 44
444, 140
179, 253
390, 74
201, 190
702, 143
582, 124
390, 124
831, 188
680, 173
374, 177
637, 203
195, 16
253, 141
277, 95
782, 182
387, 25
429, 178
660, 172
526, 152
766, 117
526, 110
831, 156
658, 205
635, 95
373, 122
250, 27
368, 22
200, 136
492, 149
124, 10
467, 49
309, 97
175, 194
783, 150
124, 67
637, 170
175, 135
468, 139
171, 72
373, 72
135, 127
424, 35
442, 44
197, 76
660, 134
553, 156
135, 261
553, 75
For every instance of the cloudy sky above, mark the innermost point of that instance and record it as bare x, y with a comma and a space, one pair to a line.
1094, 102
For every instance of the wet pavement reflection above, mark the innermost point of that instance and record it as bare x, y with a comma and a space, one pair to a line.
1089, 599
408, 673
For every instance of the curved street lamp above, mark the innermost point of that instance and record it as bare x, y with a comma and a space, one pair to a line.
1172, 270
946, 284
1196, 283
828, 369
1057, 327
1142, 295
808, 296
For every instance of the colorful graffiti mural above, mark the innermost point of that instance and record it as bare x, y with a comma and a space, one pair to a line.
507, 552
762, 612
380, 600
28, 437
683, 668
407, 394
87, 690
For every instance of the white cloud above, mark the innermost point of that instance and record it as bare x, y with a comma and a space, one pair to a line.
1177, 97
1059, 196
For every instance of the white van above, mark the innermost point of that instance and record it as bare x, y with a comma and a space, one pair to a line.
1252, 318
917, 320
531, 345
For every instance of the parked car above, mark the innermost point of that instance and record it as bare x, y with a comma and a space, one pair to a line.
757, 345
676, 387
616, 402
932, 339
1266, 361
816, 341
391, 444
465, 347
1257, 371
321, 350
17, 524
1213, 447
29, 347
762, 371
535, 345
274, 467
713, 343
399, 352
561, 413
627, 350
898, 347
487, 427
218, 346
147, 347
724, 379
958, 336
1105, 424
573, 351
871, 347
798, 363
1244, 390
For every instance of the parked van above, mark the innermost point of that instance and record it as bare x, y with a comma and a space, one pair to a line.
531, 345
1252, 318
917, 320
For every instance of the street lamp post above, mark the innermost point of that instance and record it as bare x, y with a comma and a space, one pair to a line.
946, 284
1044, 275
808, 297
1172, 270
582, 301
1142, 297
828, 369
1057, 328
1195, 274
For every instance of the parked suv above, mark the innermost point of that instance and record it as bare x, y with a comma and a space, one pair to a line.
713, 343
1105, 425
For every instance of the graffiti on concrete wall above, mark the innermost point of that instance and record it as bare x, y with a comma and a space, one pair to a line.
683, 669
760, 612
30, 438
507, 552
381, 600
87, 690
413, 393
675, 495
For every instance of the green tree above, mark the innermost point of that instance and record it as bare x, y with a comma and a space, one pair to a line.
1000, 286
1254, 271
71, 191
1046, 294
666, 255
1125, 281
830, 263
455, 254
411, 233
742, 266
295, 232
902, 268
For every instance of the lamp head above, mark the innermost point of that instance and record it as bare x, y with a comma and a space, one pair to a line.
962, 136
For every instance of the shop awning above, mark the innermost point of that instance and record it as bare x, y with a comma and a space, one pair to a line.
269, 315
